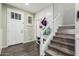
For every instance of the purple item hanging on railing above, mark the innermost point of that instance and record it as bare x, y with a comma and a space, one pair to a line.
44, 21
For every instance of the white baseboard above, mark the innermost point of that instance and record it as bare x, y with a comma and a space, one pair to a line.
28, 41
23, 42
4, 46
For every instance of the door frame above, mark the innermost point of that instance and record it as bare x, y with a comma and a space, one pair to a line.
8, 9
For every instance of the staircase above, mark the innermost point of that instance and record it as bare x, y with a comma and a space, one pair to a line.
63, 43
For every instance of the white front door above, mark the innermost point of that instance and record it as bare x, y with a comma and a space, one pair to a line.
15, 27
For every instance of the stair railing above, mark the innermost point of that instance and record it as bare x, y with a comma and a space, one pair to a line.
45, 39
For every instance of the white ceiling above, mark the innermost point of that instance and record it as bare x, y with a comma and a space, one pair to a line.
32, 7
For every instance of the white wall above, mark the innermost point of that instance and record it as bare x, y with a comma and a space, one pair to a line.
57, 9
58, 15
0, 28
77, 29
68, 14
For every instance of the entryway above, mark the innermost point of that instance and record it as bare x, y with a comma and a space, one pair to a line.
15, 26
19, 28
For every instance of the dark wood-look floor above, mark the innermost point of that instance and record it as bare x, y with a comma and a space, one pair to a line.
27, 49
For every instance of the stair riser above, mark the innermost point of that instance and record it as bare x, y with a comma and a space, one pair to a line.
65, 46
68, 36
67, 27
61, 37
58, 51
71, 35
65, 40
66, 31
